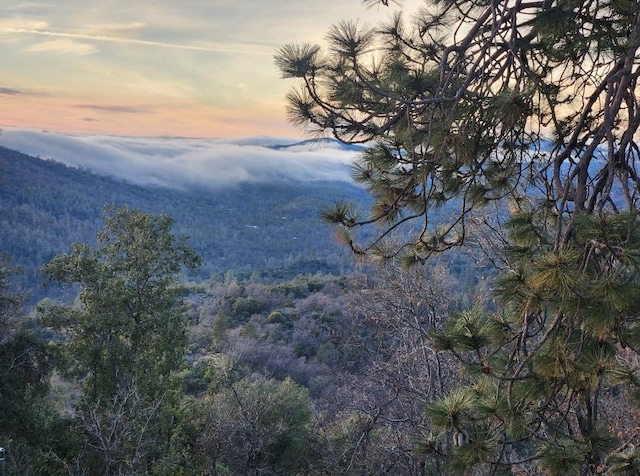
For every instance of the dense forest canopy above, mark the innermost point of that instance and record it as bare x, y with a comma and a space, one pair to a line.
142, 375
267, 228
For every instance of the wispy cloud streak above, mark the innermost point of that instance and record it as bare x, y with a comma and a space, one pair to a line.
135, 41
10, 91
64, 46
117, 109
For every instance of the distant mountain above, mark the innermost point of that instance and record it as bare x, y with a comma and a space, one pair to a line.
243, 226
318, 144
260, 141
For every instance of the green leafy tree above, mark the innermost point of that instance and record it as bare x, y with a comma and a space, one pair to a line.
528, 109
255, 427
26, 364
126, 335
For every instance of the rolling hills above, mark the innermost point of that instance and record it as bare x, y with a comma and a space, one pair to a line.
267, 223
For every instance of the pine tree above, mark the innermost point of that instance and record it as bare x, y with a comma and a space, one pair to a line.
528, 109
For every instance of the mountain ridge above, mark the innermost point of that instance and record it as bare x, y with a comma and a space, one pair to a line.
271, 228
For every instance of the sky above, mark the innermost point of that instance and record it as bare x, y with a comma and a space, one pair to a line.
189, 68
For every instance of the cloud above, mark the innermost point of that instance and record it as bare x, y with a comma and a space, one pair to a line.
10, 91
121, 30
186, 163
234, 49
64, 46
13, 25
116, 108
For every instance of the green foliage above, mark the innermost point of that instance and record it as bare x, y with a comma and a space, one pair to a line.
565, 457
45, 206
305, 64
450, 411
256, 427
245, 307
461, 129
129, 324
538, 370
26, 364
627, 462
126, 338
518, 136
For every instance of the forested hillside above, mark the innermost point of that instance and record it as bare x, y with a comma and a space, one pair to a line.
279, 356
270, 229
143, 375
505, 132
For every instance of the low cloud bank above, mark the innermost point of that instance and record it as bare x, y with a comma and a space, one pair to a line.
185, 162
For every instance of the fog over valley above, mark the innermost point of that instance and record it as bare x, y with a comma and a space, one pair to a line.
179, 162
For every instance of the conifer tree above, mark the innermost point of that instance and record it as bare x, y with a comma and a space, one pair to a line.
527, 108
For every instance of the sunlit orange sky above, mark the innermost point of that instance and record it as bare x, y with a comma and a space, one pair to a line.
193, 68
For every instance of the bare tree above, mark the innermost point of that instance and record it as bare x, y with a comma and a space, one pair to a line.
381, 416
